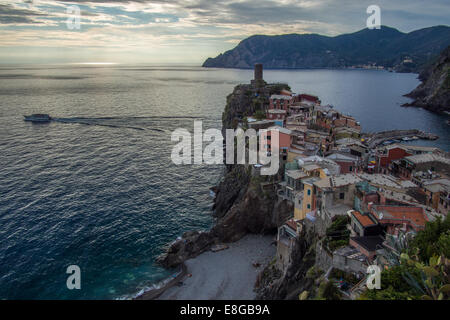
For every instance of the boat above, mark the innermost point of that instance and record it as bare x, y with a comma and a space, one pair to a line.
38, 117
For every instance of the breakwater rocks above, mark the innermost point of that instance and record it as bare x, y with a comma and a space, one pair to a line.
373, 140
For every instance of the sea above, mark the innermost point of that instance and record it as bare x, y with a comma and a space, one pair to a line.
97, 188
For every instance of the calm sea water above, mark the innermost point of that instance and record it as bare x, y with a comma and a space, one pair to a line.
99, 189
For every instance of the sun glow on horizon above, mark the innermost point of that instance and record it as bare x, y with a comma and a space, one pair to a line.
95, 63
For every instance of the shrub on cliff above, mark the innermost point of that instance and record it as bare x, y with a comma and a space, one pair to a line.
434, 240
337, 234
328, 291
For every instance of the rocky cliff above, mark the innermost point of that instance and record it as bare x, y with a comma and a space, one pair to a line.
272, 284
434, 91
241, 206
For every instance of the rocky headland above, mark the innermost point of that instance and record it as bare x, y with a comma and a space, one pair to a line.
241, 206
434, 92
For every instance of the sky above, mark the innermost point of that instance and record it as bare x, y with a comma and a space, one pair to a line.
183, 31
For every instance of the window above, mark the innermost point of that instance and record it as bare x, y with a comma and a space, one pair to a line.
350, 169
341, 195
308, 206
309, 192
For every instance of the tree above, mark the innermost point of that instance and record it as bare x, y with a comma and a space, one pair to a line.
433, 240
328, 291
259, 115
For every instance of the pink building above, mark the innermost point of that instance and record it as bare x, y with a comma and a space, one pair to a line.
285, 139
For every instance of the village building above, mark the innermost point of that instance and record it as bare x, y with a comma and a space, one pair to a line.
352, 146
399, 218
406, 167
308, 98
363, 224
368, 245
350, 260
330, 171
287, 235
437, 192
262, 124
280, 102
331, 196
277, 115
347, 121
285, 140
347, 162
387, 182
386, 154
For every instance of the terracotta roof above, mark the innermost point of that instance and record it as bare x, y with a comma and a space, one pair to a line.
364, 220
414, 215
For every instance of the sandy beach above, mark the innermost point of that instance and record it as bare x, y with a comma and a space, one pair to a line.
226, 274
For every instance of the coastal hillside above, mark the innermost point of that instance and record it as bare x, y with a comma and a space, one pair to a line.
434, 91
386, 47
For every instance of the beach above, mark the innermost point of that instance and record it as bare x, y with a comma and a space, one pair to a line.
228, 274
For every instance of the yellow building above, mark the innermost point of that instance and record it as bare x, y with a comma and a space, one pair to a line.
307, 200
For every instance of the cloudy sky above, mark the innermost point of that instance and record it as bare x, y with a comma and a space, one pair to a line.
184, 31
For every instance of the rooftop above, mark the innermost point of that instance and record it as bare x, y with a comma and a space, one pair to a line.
398, 196
386, 180
291, 223
437, 185
427, 157
276, 111
281, 129
410, 148
342, 157
350, 253
296, 174
363, 219
344, 180
338, 209
310, 167
280, 97
370, 243
324, 183
310, 181
349, 141
414, 214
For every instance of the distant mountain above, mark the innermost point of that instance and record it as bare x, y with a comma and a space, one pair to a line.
387, 47
434, 91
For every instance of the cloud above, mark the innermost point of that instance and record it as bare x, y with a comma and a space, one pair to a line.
204, 26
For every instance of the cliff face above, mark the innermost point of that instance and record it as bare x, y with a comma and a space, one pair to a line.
388, 47
241, 206
434, 91
273, 285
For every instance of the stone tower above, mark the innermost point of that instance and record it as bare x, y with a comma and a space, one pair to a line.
258, 71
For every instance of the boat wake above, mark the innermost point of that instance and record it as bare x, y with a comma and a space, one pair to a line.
103, 122
148, 122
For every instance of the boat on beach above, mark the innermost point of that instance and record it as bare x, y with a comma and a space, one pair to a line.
38, 117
